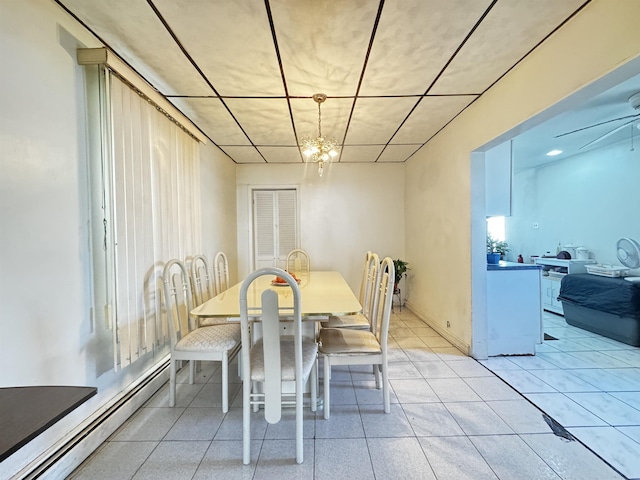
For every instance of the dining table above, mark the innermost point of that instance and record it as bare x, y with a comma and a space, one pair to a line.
323, 293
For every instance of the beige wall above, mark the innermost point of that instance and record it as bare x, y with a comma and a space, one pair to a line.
439, 212
352, 208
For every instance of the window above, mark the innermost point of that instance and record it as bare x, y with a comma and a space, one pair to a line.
145, 211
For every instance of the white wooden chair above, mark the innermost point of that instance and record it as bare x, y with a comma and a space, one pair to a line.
274, 359
345, 346
221, 272
367, 298
201, 280
298, 262
212, 343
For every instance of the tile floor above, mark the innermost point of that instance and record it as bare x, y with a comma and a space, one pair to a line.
589, 384
451, 418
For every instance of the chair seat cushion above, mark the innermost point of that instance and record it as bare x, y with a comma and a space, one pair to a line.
334, 341
215, 337
287, 359
347, 321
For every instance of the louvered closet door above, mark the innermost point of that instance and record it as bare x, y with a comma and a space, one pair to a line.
275, 226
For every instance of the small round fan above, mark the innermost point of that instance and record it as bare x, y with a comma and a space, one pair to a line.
628, 251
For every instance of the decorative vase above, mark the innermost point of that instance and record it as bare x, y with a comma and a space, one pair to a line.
493, 258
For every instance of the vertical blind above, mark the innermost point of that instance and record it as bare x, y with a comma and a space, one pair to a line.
152, 214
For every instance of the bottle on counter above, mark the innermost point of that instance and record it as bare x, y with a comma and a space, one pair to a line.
520, 259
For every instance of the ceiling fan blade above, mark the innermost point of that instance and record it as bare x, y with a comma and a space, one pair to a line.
602, 137
597, 125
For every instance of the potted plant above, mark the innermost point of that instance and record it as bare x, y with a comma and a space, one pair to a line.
401, 268
496, 249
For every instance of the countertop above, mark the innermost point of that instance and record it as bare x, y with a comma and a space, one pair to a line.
512, 266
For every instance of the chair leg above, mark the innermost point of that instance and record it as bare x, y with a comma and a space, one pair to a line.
192, 371
385, 387
376, 371
299, 423
246, 421
327, 374
314, 386
225, 383
172, 383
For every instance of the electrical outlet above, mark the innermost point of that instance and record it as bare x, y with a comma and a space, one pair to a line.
536, 225
448, 324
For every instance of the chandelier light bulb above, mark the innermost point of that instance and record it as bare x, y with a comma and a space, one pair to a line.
319, 149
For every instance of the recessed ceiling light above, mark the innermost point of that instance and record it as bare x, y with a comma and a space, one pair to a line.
553, 153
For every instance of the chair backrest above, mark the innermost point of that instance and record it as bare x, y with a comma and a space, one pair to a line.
298, 262
221, 272
373, 279
177, 298
269, 314
201, 280
383, 300
365, 276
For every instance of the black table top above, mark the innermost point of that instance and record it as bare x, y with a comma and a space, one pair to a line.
25, 412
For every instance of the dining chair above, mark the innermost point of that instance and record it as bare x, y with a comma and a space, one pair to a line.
201, 280
345, 346
211, 343
221, 272
298, 262
367, 299
275, 358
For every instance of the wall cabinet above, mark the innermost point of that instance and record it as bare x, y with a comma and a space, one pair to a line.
550, 284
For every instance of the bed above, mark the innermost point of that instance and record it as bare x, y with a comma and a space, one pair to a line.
603, 305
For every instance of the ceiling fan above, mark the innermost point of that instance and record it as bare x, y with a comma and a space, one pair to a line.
634, 101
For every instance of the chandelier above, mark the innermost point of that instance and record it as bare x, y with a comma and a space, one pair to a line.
319, 150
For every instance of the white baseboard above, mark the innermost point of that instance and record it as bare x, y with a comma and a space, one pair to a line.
67, 455
442, 331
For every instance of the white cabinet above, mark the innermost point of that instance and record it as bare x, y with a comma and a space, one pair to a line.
549, 294
550, 284
498, 178
514, 314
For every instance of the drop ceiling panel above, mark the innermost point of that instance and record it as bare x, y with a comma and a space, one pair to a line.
231, 42
375, 120
267, 121
431, 115
213, 119
360, 154
397, 153
323, 43
243, 154
132, 30
281, 154
414, 41
335, 115
508, 32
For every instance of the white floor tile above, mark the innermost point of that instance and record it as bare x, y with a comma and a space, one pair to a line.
492, 388
509, 457
277, 461
456, 458
399, 458
196, 424
520, 415
175, 460
435, 369
570, 459
564, 381
477, 418
564, 410
115, 460
630, 398
342, 458
223, 461
620, 451
453, 390
431, 420
413, 391
468, 367
610, 409
149, 424
524, 382
376, 423
344, 422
